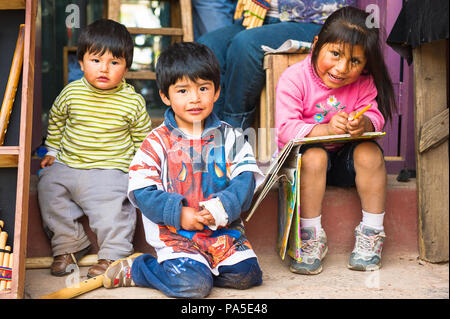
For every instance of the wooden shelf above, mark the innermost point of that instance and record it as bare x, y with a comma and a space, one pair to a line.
157, 31
12, 5
9, 156
15, 155
181, 17
141, 75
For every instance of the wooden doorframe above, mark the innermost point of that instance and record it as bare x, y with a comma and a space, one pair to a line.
432, 153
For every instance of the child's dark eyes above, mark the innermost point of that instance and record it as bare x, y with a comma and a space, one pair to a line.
182, 91
335, 53
203, 88
352, 60
98, 61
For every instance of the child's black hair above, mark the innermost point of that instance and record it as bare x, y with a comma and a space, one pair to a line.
186, 59
348, 25
106, 35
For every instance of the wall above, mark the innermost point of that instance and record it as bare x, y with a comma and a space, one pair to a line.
398, 144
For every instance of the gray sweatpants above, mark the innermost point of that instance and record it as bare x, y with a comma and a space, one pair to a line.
65, 194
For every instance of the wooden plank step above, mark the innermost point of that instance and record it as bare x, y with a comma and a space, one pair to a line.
9, 156
341, 214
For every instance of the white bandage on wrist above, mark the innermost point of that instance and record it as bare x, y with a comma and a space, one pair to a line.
215, 207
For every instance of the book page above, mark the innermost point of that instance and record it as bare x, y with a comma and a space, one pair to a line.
287, 156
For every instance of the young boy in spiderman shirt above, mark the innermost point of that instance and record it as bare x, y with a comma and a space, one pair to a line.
191, 179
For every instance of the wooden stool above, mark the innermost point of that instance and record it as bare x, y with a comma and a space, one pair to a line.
274, 65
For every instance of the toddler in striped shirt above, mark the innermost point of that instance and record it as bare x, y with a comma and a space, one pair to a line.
96, 125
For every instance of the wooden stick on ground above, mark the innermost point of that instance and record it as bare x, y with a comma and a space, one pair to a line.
81, 287
11, 86
46, 262
77, 289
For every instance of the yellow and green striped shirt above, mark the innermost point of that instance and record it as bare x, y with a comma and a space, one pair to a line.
92, 128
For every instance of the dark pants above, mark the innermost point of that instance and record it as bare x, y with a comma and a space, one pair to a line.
187, 278
241, 63
340, 169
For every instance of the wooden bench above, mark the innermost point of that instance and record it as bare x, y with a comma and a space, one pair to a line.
274, 66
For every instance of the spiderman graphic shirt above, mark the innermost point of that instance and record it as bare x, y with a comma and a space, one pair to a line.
218, 165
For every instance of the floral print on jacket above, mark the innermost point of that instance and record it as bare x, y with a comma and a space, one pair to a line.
307, 11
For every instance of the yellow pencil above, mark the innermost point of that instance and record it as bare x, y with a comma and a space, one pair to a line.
360, 113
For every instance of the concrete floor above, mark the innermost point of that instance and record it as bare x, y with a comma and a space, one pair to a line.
403, 276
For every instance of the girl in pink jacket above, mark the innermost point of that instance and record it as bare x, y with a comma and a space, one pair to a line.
319, 96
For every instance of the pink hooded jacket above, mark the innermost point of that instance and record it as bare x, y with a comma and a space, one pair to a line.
303, 101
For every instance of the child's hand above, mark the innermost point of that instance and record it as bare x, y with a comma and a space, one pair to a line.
47, 161
338, 124
190, 219
356, 126
206, 218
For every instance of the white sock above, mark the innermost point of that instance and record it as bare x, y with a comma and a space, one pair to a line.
311, 222
373, 220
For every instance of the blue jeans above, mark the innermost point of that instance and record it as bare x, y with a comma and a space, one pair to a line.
187, 278
241, 61
209, 15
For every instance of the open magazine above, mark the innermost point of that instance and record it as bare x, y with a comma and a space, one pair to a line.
285, 170
288, 213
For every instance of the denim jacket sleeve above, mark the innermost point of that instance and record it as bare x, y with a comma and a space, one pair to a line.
164, 208
237, 197
160, 207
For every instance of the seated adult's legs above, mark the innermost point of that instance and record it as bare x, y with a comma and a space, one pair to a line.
243, 74
211, 15
219, 41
